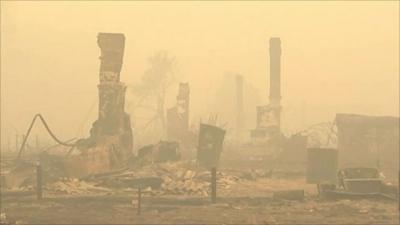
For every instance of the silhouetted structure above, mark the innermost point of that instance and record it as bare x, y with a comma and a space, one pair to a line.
178, 116
239, 107
275, 80
111, 134
268, 116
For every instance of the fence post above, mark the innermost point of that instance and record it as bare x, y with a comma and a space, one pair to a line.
213, 185
39, 191
139, 200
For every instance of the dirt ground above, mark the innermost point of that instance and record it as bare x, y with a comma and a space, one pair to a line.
247, 202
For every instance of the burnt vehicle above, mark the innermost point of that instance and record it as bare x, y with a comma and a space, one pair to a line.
359, 182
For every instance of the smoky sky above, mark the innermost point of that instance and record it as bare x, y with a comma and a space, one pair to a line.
336, 57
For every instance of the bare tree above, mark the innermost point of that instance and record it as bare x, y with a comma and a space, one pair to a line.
321, 135
151, 92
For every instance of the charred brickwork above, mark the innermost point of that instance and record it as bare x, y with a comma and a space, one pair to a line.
112, 129
268, 116
275, 80
275, 70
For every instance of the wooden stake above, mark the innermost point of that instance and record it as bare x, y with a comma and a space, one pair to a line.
213, 185
39, 192
139, 200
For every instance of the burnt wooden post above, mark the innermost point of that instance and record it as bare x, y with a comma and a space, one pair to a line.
139, 205
213, 185
39, 192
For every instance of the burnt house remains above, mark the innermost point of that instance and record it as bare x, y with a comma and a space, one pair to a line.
110, 141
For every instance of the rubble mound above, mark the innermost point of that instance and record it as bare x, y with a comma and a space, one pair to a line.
73, 186
169, 178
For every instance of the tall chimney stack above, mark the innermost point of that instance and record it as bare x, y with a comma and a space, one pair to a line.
275, 79
113, 125
275, 71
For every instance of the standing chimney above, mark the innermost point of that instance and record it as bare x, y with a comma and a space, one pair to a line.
112, 123
275, 71
275, 77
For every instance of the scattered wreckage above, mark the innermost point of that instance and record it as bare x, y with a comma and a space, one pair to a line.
166, 178
104, 162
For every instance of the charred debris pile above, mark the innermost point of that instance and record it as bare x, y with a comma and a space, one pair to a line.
104, 162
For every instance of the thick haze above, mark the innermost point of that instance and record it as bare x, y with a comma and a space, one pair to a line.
336, 56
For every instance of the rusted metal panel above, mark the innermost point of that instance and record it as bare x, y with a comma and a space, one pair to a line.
211, 140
